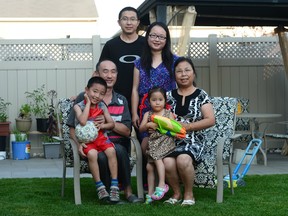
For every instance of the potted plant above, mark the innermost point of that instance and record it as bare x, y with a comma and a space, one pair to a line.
20, 145
39, 107
24, 121
4, 124
50, 144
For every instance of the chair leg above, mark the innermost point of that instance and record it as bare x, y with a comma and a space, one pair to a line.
285, 148
76, 173
219, 198
140, 190
63, 177
64, 168
230, 177
264, 156
265, 150
77, 192
219, 164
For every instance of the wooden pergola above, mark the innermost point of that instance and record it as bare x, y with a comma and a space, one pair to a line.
226, 13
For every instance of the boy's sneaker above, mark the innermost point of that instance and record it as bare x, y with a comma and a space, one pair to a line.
102, 193
114, 194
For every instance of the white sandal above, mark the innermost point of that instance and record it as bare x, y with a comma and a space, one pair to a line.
188, 202
172, 201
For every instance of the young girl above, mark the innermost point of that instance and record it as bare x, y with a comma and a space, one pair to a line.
87, 110
159, 145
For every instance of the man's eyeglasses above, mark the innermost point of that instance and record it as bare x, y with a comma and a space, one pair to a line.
126, 19
154, 36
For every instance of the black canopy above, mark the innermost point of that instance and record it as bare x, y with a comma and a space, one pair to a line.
226, 12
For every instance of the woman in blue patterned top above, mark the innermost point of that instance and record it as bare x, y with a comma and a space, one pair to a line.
194, 110
154, 68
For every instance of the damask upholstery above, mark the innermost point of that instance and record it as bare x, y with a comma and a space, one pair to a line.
71, 157
243, 124
217, 145
65, 106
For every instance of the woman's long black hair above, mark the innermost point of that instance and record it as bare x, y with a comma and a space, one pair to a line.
167, 56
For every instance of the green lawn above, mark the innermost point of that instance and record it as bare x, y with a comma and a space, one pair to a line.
263, 195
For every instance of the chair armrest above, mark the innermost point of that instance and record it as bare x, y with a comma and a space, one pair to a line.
235, 136
76, 155
138, 166
60, 139
243, 132
220, 146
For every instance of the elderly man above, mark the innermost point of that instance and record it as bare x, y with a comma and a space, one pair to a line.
118, 108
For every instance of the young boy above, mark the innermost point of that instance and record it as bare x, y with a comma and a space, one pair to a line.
87, 110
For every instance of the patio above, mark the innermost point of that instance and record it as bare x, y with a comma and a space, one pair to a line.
46, 168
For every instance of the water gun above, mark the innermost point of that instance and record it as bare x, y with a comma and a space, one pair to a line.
169, 127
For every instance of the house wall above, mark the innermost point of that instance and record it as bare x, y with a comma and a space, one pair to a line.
41, 30
234, 67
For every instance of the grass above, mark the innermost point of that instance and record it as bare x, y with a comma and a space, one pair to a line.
263, 195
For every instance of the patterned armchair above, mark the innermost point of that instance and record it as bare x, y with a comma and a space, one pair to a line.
279, 136
217, 146
71, 157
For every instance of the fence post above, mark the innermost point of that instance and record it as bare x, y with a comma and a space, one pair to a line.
213, 65
96, 46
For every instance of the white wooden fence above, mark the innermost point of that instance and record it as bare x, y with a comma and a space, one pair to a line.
235, 67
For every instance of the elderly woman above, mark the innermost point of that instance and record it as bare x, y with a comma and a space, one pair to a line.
194, 110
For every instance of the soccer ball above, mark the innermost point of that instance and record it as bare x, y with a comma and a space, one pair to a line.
87, 133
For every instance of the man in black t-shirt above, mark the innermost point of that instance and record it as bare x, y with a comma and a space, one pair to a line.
124, 50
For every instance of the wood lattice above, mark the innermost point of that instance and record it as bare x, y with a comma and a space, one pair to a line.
46, 52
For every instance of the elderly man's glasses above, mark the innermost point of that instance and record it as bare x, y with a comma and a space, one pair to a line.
127, 19
154, 37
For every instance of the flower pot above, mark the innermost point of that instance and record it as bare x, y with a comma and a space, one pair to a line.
51, 150
2, 143
13, 139
42, 124
4, 128
3, 155
23, 125
21, 150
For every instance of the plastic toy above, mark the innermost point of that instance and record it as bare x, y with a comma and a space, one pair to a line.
237, 179
169, 127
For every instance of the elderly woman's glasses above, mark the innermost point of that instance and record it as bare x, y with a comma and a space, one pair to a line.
154, 37
186, 71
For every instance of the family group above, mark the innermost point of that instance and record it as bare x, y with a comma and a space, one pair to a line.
136, 79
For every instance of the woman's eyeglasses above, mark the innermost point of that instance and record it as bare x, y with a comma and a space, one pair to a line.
154, 37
